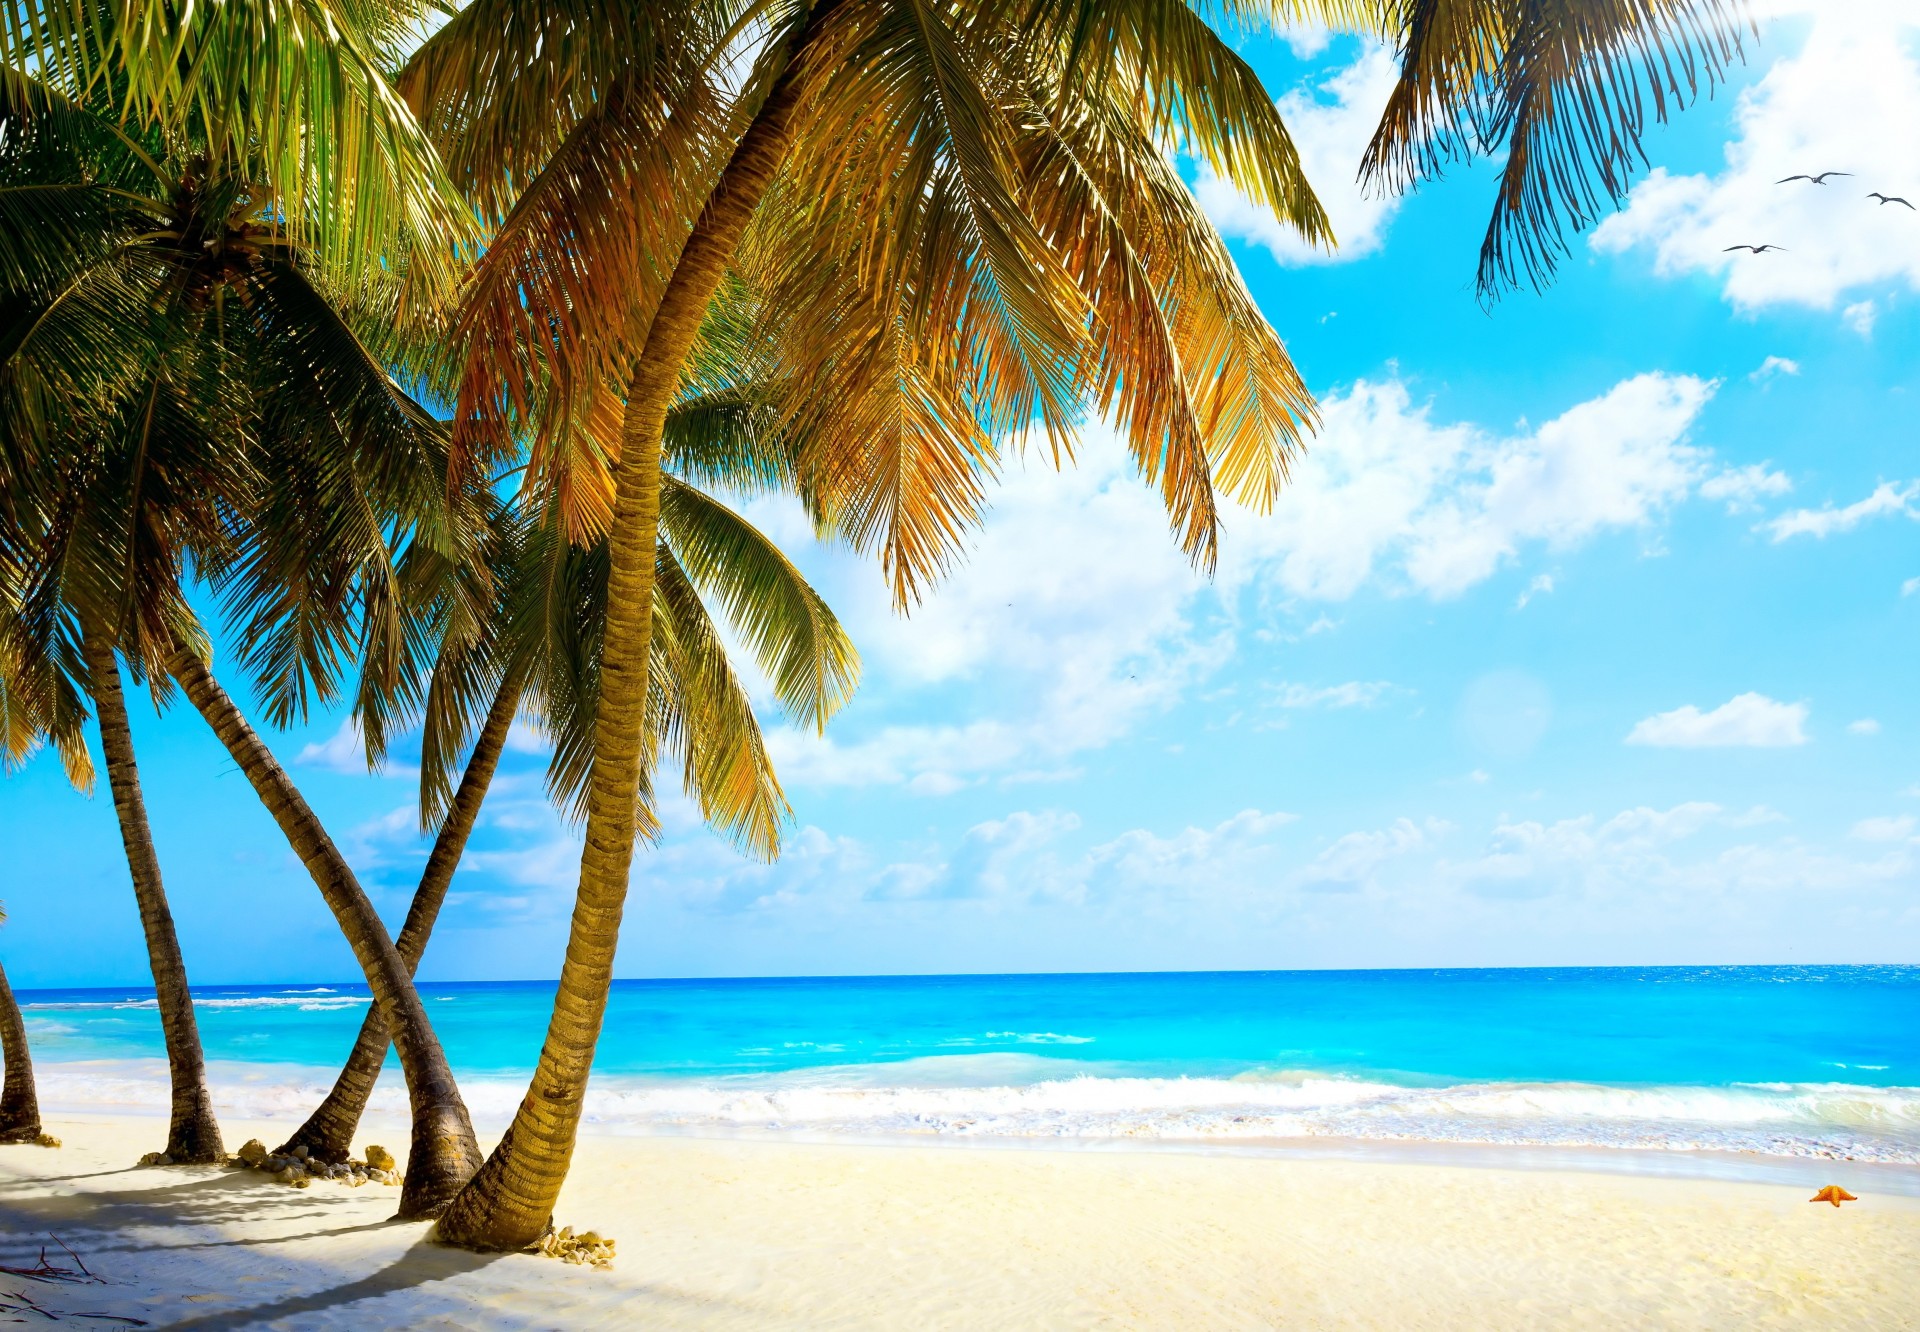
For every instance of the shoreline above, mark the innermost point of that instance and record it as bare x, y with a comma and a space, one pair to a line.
1890, 1179
749, 1232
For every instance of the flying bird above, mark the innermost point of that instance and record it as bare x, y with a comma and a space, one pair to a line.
1820, 179
1757, 249
1834, 1194
1886, 199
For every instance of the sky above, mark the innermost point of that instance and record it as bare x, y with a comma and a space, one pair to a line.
1583, 634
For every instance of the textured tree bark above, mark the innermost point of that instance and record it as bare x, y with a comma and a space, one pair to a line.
443, 1152
192, 1134
19, 1105
509, 1203
328, 1133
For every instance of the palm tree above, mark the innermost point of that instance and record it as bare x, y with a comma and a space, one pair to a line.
33, 709
19, 1105
1565, 89
977, 205
179, 378
953, 310
542, 646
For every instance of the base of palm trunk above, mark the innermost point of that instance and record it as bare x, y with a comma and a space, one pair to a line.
327, 1135
439, 1164
320, 1147
19, 1133
486, 1216
195, 1140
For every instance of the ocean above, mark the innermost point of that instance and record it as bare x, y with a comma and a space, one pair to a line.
1784, 1061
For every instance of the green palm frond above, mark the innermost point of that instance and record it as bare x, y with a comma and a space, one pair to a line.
1566, 87
294, 92
791, 631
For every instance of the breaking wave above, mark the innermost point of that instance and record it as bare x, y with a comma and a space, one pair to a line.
1027, 1098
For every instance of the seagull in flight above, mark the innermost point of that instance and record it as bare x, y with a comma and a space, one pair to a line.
1757, 249
1820, 179
1886, 199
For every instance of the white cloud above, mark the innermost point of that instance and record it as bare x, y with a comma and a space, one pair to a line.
1353, 694
1742, 488
1540, 586
1075, 618
1774, 365
1823, 522
1352, 862
1814, 110
1909, 587
1865, 726
1891, 828
345, 751
1331, 133
1860, 317
1438, 508
1749, 721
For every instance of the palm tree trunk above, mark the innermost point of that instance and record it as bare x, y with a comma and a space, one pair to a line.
443, 1152
192, 1134
328, 1133
19, 1106
509, 1204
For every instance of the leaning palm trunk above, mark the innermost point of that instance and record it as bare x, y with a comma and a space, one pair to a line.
443, 1152
328, 1133
509, 1204
192, 1134
19, 1106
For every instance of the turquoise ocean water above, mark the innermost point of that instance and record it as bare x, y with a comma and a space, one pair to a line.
1790, 1061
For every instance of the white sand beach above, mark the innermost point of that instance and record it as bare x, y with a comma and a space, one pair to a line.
742, 1233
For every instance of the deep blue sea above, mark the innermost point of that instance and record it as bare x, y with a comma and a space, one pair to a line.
1795, 1061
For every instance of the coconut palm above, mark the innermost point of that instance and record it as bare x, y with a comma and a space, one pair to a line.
974, 205
33, 709
19, 1104
1565, 89
179, 372
955, 310
538, 651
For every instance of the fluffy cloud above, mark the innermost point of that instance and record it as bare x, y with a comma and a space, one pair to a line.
1774, 365
1388, 492
1074, 618
1816, 110
1353, 861
1823, 522
1353, 694
1892, 828
1331, 126
1742, 488
1749, 720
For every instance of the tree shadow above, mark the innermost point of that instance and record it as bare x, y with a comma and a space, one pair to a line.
229, 1196
259, 1242
422, 1264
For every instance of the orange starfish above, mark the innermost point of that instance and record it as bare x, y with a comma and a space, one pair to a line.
1834, 1194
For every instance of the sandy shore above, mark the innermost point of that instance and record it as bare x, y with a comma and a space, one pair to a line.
758, 1234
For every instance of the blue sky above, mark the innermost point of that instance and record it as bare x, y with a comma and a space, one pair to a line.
1584, 635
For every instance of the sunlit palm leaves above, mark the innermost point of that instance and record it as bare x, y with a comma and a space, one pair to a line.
1566, 87
292, 94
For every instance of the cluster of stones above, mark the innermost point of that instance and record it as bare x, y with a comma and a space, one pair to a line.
298, 1169
587, 1248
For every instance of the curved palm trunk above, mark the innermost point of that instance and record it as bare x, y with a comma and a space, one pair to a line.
19, 1106
192, 1134
328, 1133
443, 1152
509, 1204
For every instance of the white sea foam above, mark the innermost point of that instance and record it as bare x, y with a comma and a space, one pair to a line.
1785, 1119
306, 1001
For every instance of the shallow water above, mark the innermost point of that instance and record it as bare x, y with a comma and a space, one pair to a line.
1791, 1061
